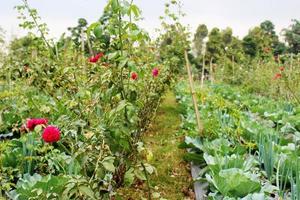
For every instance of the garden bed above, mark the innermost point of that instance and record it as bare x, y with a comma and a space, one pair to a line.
248, 145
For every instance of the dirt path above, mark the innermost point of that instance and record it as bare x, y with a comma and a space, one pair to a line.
172, 180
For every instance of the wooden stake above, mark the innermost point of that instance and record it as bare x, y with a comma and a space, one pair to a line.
90, 46
188, 68
56, 51
82, 41
232, 64
202, 74
291, 67
211, 70
291, 61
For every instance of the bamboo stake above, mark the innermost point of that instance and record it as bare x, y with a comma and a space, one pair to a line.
34, 54
202, 75
232, 63
211, 71
291, 61
82, 41
90, 46
200, 129
56, 51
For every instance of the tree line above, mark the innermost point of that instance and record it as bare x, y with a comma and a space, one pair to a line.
261, 42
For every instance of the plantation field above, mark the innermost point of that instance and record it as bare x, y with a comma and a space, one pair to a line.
250, 148
110, 111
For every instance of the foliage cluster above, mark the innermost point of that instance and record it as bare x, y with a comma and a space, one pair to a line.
250, 148
100, 108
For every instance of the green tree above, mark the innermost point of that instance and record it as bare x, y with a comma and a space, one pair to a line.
173, 41
2, 32
279, 48
226, 37
234, 50
27, 47
222, 43
292, 37
269, 29
2, 42
214, 45
258, 42
200, 35
78, 30
249, 46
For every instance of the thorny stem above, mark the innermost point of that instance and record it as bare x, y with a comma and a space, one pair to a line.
130, 22
121, 43
37, 26
120, 27
97, 164
123, 93
148, 181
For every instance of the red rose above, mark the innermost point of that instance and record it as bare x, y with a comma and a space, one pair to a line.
32, 123
134, 75
277, 76
281, 69
155, 72
95, 58
51, 134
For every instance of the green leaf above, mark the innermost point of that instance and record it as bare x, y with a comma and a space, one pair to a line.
255, 196
38, 128
30, 186
193, 157
87, 191
149, 168
108, 163
140, 174
129, 177
98, 32
234, 182
136, 11
155, 195
113, 55
92, 27
195, 142
114, 5
218, 146
123, 62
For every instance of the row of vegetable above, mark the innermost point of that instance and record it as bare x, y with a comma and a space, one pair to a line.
250, 145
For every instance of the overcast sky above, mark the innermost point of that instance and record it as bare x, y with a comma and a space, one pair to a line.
237, 14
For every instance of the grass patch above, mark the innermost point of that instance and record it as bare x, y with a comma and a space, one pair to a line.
173, 180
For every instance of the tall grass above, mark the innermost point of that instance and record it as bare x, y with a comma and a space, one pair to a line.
258, 77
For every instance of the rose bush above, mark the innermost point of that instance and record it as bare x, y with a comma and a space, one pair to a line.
100, 104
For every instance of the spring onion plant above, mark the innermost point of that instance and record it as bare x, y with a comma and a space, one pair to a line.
266, 153
295, 183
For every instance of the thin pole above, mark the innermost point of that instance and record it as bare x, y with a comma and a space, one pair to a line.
200, 129
202, 75
82, 40
232, 63
211, 70
90, 46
